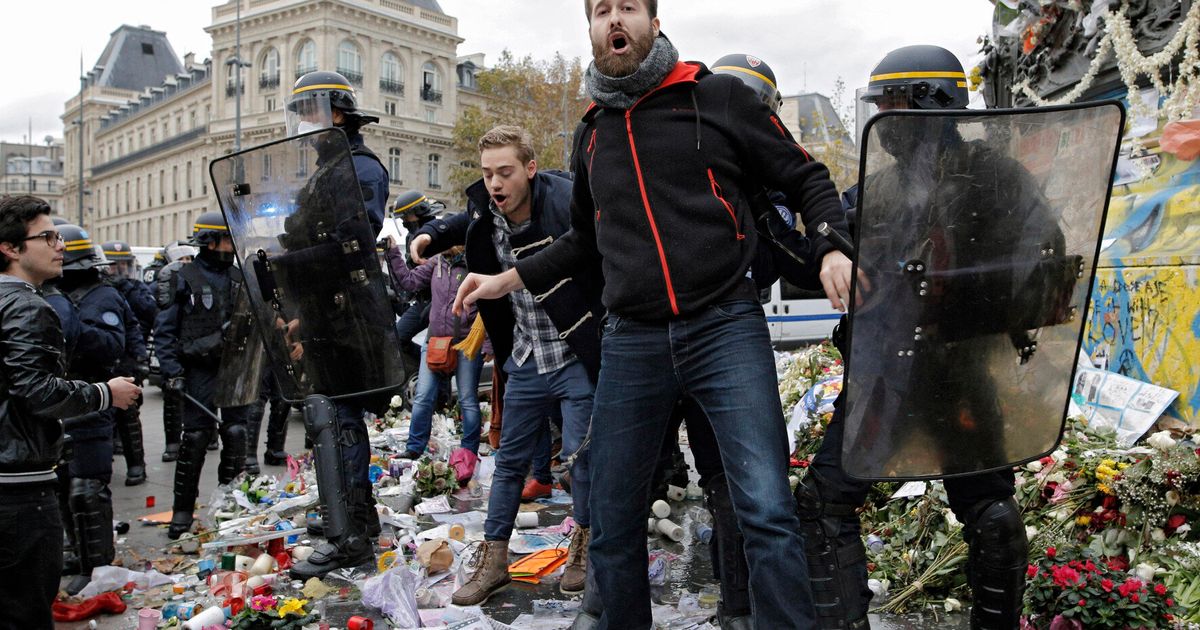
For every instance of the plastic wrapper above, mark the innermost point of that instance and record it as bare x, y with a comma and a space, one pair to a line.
110, 578
394, 592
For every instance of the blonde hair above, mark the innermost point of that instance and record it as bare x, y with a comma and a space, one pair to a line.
509, 136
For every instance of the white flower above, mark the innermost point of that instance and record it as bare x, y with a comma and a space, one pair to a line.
1030, 532
1158, 535
1172, 497
952, 604
1161, 440
952, 521
396, 402
1146, 571
1183, 529
1019, 481
1061, 515
1034, 466
1058, 455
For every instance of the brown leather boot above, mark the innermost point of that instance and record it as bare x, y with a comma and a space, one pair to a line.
489, 578
575, 574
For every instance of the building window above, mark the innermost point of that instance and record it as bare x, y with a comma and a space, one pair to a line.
175, 183
268, 75
391, 75
269, 104
162, 187
203, 175
349, 62
302, 166
389, 107
431, 84
306, 58
395, 161
430, 115
435, 175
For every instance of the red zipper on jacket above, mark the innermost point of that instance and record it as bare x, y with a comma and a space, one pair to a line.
716, 191
674, 77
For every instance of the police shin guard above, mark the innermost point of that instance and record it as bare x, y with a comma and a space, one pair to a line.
276, 454
346, 546
253, 428
129, 429
996, 563
837, 558
233, 451
728, 557
192, 450
172, 424
92, 515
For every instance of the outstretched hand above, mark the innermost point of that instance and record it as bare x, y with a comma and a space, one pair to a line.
477, 287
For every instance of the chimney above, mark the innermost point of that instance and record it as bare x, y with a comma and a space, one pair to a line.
188, 60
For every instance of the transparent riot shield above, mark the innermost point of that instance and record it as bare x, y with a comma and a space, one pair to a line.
977, 239
296, 215
239, 378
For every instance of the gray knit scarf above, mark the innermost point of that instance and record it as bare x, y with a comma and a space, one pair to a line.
623, 92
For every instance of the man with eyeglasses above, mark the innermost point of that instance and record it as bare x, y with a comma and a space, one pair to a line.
33, 398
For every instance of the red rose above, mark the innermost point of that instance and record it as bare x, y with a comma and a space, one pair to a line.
804, 463
1082, 603
1170, 602
1107, 585
1176, 521
1134, 598
1118, 563
794, 462
1050, 552
1160, 589
1031, 570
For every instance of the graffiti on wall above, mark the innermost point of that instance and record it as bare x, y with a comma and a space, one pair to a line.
1144, 320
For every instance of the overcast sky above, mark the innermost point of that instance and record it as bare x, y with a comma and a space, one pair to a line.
809, 43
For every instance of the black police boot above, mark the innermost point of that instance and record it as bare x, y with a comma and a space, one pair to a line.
233, 452
253, 427
277, 427
172, 425
728, 556
316, 526
92, 516
996, 562
837, 558
346, 545
71, 546
129, 426
363, 512
187, 480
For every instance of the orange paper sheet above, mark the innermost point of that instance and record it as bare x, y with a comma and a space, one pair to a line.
537, 565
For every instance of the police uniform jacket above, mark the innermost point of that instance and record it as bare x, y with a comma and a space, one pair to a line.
188, 331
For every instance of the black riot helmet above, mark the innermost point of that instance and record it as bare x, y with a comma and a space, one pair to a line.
79, 252
314, 97
755, 73
918, 77
413, 206
117, 251
209, 228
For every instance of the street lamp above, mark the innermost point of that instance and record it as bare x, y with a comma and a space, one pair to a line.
237, 64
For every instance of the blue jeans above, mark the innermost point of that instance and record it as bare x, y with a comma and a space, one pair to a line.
529, 399
466, 374
721, 358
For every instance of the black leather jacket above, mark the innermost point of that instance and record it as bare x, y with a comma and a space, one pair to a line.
33, 397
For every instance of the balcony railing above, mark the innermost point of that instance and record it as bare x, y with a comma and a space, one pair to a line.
303, 71
271, 81
232, 89
431, 95
353, 77
391, 86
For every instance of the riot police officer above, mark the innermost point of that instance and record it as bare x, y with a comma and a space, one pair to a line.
914, 77
99, 349
188, 338
122, 274
175, 256
322, 100
414, 210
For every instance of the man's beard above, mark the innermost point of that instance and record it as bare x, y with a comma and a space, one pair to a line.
613, 65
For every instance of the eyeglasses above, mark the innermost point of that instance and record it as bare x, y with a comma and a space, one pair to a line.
52, 237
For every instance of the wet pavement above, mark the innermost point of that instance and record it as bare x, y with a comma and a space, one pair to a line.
691, 568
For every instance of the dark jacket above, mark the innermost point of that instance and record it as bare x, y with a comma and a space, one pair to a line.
573, 305
32, 396
140, 299
372, 179
175, 352
441, 278
659, 196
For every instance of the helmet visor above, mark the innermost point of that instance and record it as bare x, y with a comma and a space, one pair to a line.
872, 100
308, 111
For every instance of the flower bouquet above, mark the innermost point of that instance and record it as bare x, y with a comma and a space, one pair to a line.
266, 612
434, 477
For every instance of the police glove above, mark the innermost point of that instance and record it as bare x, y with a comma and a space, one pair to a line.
175, 384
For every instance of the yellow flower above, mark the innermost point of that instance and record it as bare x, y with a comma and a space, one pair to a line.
1105, 489
1122, 466
1083, 521
292, 605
